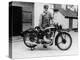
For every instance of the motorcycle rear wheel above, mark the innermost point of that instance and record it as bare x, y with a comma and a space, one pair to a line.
28, 42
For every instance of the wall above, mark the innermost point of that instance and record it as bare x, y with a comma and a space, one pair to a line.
75, 23
58, 17
27, 9
27, 14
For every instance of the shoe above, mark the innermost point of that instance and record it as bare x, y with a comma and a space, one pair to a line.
44, 46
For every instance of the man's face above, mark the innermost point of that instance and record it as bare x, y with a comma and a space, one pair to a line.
45, 9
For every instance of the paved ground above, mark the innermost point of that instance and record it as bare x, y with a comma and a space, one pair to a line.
19, 50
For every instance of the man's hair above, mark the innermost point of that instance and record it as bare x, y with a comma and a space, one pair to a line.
46, 6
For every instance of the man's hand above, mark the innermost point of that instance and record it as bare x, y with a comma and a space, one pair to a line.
51, 22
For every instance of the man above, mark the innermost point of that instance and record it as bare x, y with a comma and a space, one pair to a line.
45, 19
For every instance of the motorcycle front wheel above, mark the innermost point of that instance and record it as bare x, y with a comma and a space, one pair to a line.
63, 41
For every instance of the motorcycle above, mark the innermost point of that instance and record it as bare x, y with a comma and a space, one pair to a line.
34, 36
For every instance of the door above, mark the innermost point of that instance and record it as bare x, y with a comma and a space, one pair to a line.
15, 20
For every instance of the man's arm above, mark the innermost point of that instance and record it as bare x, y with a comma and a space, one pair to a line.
51, 15
40, 20
51, 18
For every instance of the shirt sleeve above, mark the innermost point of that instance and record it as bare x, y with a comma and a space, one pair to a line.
40, 19
51, 16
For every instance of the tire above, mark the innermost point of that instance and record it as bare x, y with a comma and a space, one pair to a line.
26, 40
64, 42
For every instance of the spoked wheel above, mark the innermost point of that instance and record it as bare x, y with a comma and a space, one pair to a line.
63, 41
29, 40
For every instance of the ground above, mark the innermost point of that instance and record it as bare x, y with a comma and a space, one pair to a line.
19, 50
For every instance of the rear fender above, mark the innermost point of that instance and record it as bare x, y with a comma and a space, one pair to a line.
31, 30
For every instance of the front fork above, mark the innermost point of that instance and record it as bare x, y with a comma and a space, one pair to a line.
52, 37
